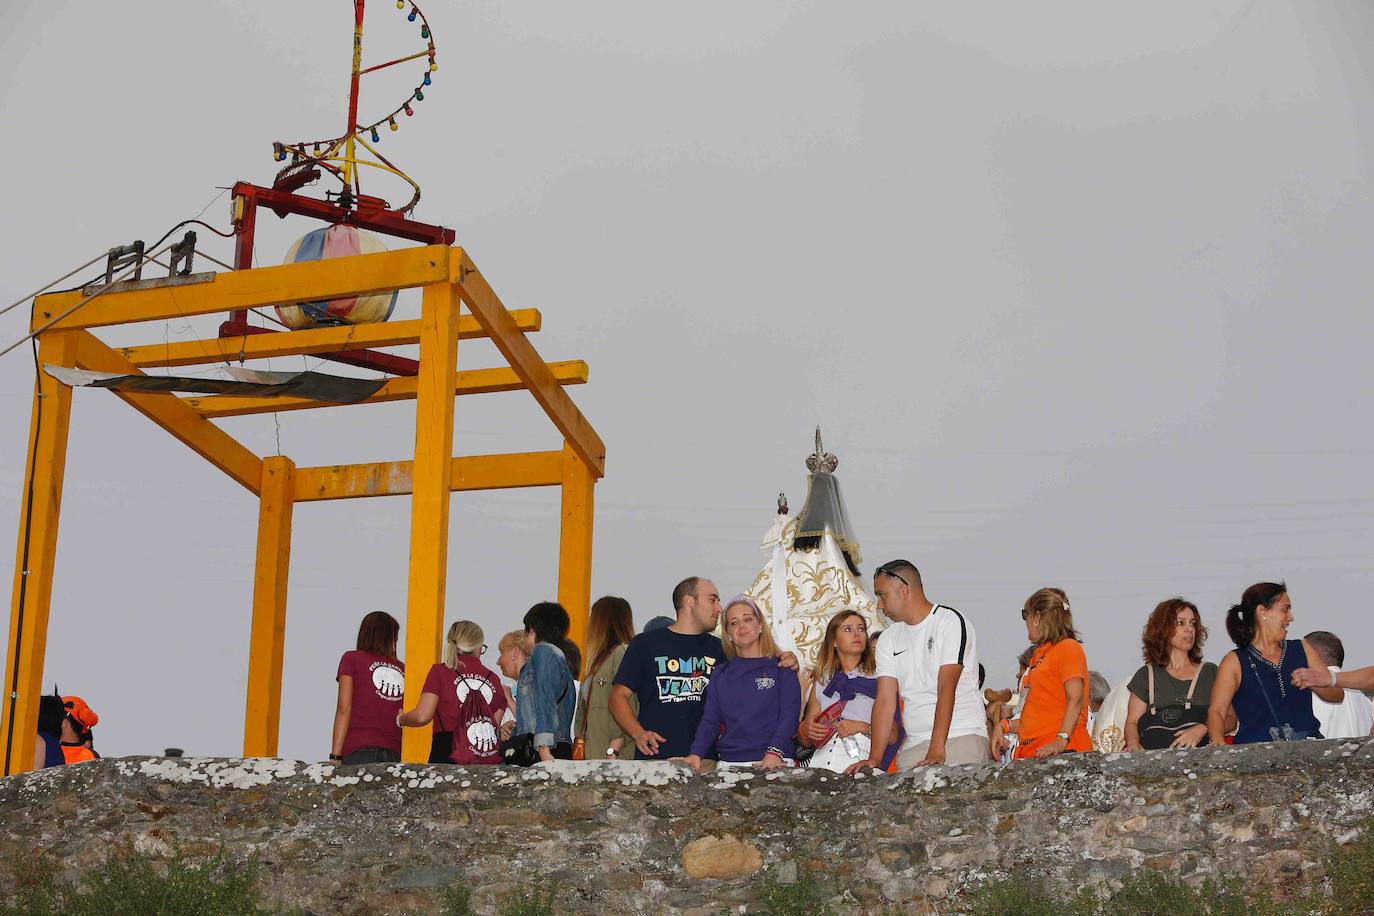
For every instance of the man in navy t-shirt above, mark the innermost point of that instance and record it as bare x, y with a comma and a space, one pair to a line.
668, 669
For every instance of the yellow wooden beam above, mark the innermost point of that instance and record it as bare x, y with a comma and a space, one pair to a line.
359, 275
40, 507
525, 360
297, 343
267, 636
468, 381
575, 543
168, 411
394, 478
431, 481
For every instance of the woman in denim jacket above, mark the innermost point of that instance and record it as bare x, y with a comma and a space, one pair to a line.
546, 694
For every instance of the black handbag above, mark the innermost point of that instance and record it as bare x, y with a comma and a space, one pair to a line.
519, 750
1158, 726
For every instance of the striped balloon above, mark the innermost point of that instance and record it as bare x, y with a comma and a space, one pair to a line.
336, 242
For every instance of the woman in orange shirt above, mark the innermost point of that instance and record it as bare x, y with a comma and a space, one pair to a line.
1053, 707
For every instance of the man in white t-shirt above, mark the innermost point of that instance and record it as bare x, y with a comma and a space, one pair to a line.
930, 657
1352, 717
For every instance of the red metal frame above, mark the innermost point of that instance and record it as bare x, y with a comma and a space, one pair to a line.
352, 209
369, 213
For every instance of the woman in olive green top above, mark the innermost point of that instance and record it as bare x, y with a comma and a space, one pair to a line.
609, 632
1170, 694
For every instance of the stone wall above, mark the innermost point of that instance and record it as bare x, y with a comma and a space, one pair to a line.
651, 838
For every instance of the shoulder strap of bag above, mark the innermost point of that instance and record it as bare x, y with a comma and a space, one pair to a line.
587, 703
1192, 686
1264, 691
1150, 675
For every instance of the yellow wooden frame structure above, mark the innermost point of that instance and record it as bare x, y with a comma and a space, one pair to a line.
449, 281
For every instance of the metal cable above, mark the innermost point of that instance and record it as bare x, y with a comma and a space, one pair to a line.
106, 288
44, 289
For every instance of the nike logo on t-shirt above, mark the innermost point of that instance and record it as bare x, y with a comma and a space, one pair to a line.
898, 652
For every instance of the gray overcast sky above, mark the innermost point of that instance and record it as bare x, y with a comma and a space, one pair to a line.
1077, 292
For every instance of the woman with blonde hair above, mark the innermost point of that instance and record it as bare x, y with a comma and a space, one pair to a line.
753, 703
609, 631
844, 680
1054, 689
511, 659
464, 699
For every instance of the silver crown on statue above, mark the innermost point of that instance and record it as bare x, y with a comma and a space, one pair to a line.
821, 461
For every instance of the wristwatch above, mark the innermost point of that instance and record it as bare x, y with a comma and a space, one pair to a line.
338, 758
1063, 735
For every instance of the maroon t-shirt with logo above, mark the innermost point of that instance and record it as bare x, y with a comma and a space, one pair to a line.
379, 686
452, 685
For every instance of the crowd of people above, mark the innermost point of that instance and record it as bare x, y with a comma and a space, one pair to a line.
909, 696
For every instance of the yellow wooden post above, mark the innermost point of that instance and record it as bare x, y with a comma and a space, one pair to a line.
40, 506
431, 479
575, 543
262, 717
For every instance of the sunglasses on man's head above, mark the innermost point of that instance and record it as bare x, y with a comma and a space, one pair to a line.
887, 572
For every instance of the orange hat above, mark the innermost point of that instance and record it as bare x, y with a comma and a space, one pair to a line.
82, 716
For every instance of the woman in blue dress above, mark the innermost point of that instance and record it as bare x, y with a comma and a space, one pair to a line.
1256, 679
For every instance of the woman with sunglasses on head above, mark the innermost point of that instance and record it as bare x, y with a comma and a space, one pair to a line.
1053, 707
1257, 678
753, 703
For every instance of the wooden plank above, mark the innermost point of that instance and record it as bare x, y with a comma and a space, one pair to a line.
267, 635
431, 479
468, 381
36, 559
296, 343
575, 543
525, 360
172, 414
393, 478
359, 275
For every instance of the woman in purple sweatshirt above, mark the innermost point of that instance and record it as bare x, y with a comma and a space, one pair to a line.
752, 704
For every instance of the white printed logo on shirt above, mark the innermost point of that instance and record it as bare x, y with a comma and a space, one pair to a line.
389, 682
764, 683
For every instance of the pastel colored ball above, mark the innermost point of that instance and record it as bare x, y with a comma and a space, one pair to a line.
336, 242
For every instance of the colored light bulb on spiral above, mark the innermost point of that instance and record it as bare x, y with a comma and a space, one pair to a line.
424, 31
426, 78
411, 17
376, 137
419, 95
391, 122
